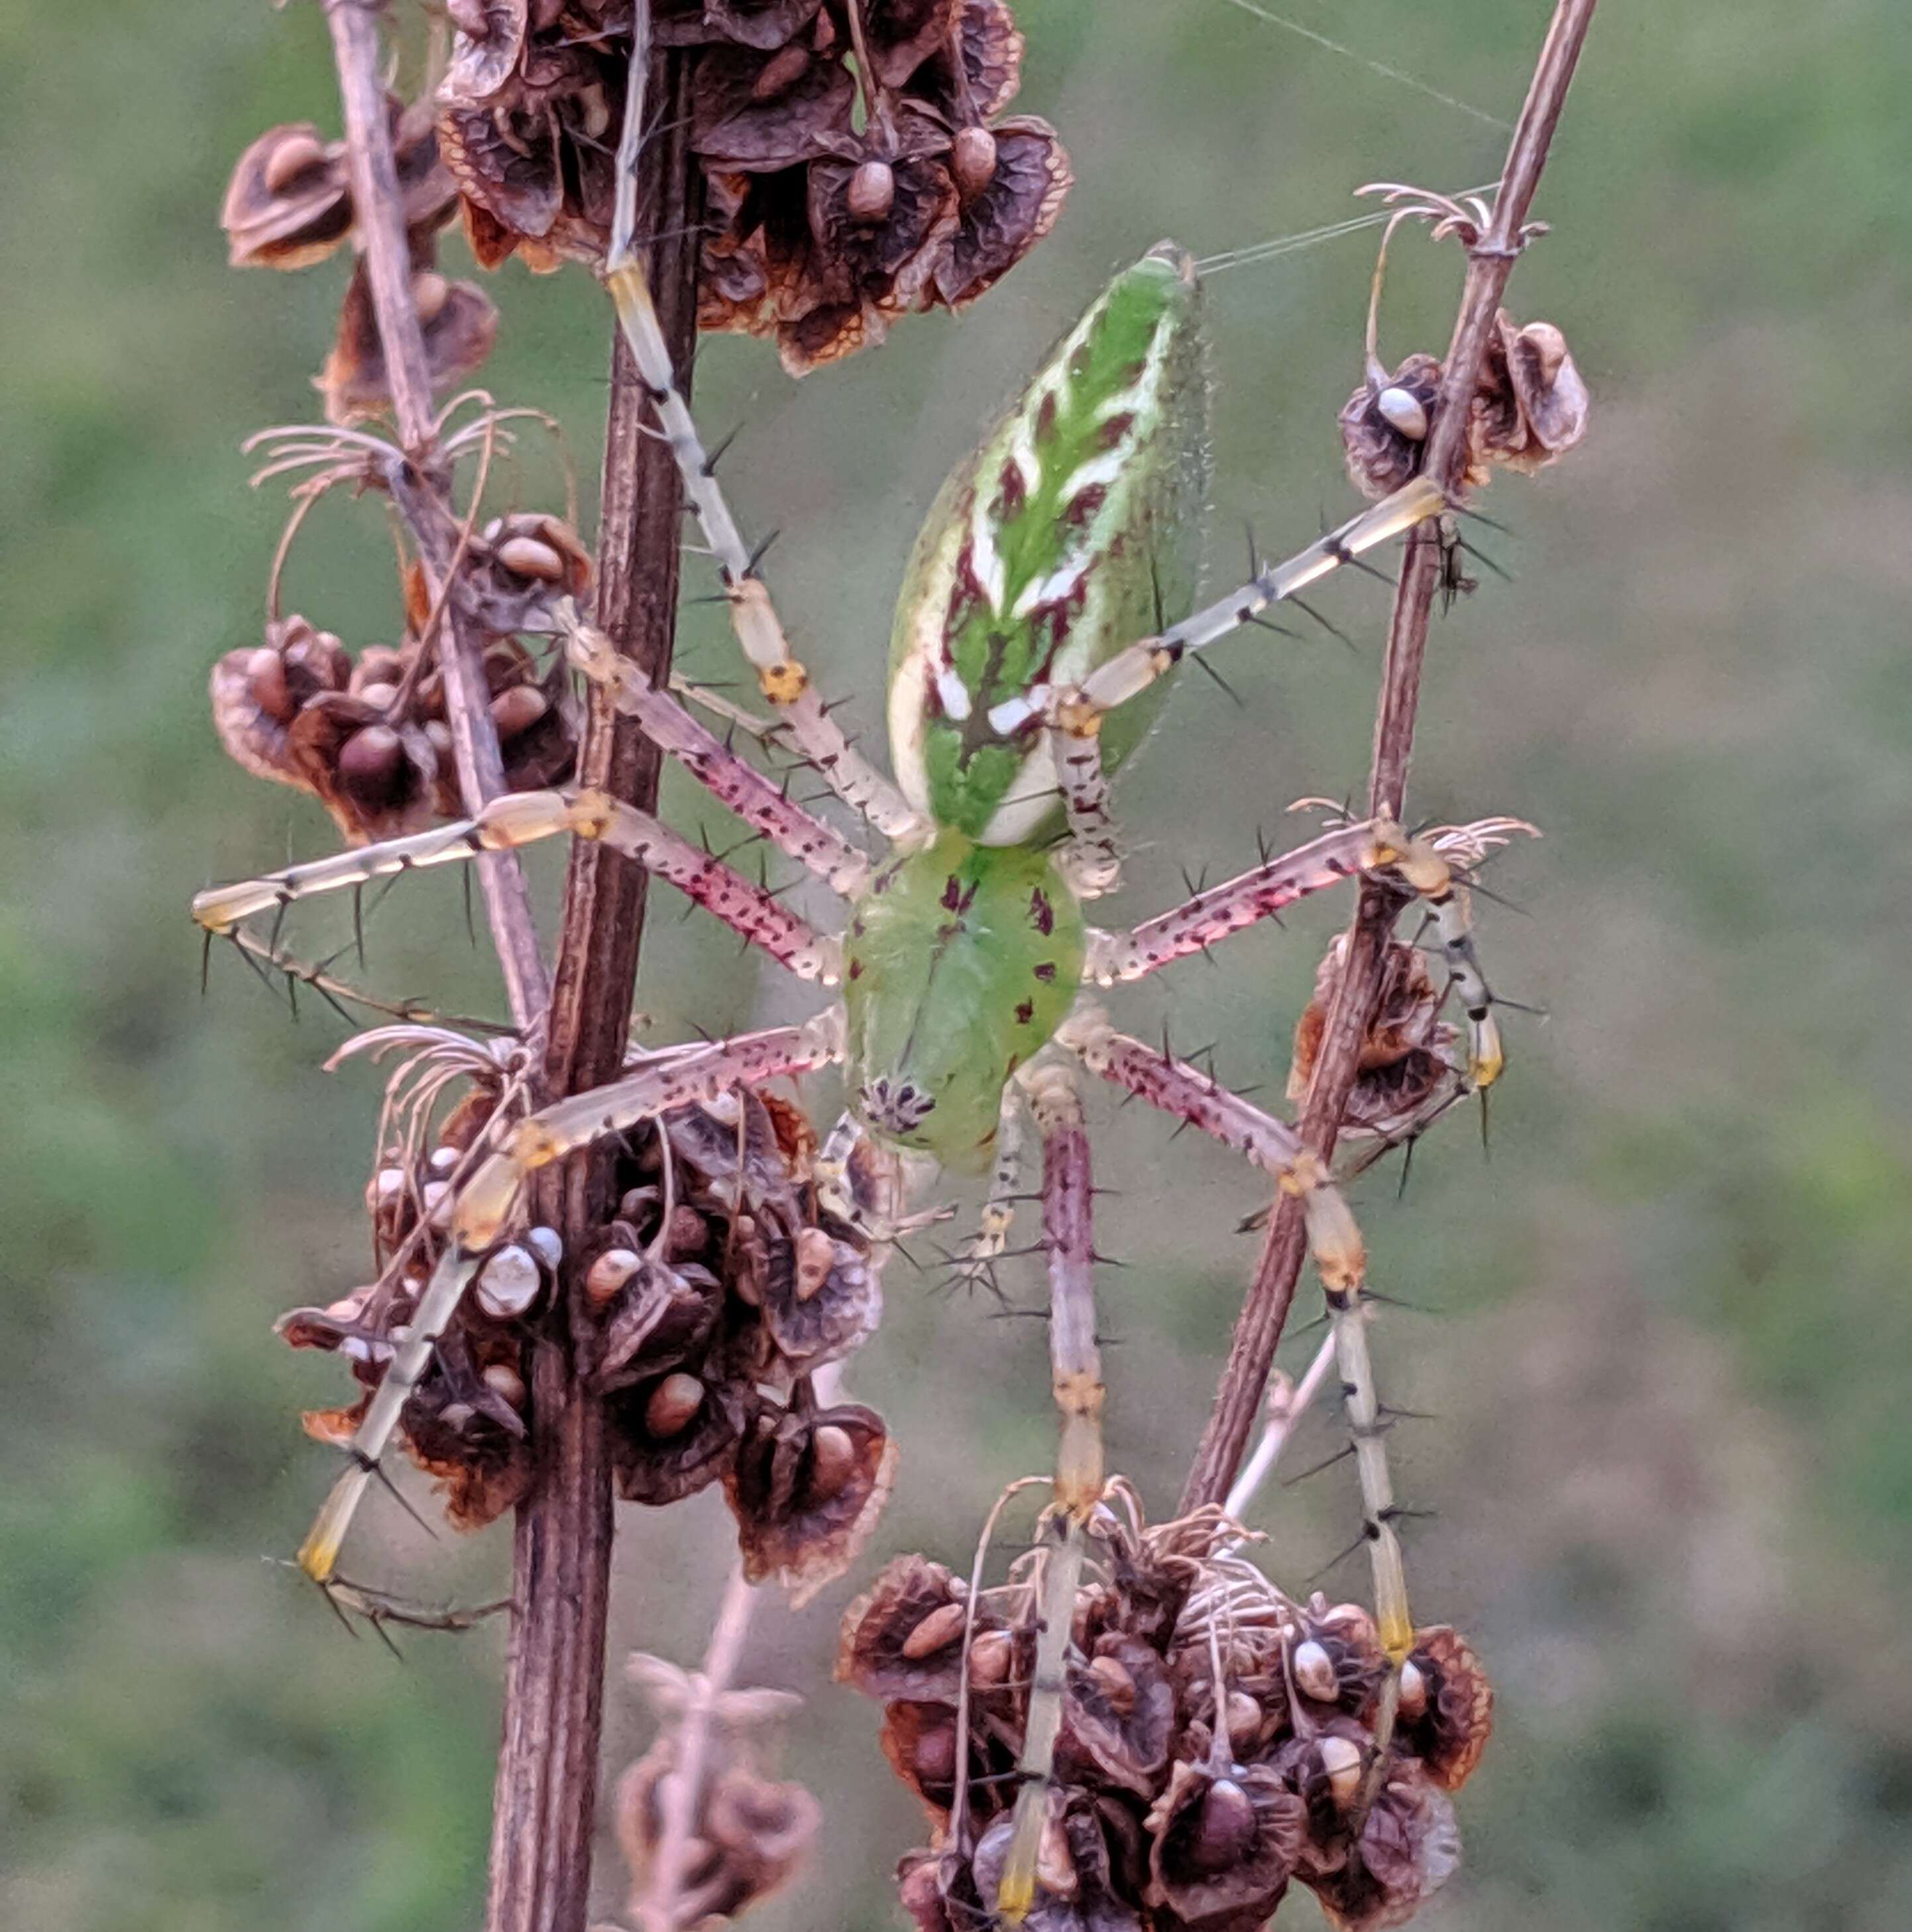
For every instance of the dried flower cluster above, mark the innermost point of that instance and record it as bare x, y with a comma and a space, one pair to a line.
718, 1289
855, 165
1217, 1741
289, 205
1529, 407
368, 736
746, 1832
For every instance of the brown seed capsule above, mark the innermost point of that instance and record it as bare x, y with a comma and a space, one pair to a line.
832, 1460
370, 764
1118, 1686
1225, 1830
293, 157
532, 556
990, 1657
674, 1405
606, 1276
517, 709
379, 694
872, 193
935, 1755
816, 1256
430, 293
973, 160
942, 1626
266, 679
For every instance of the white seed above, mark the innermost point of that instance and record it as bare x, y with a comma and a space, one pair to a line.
502, 1379
545, 1244
942, 1626
1315, 1674
290, 160
357, 1348
439, 733
606, 1276
1413, 1691
430, 293
1340, 1760
508, 1285
437, 1199
1245, 1716
1055, 1869
379, 694
973, 160
872, 192
442, 1160
531, 557
1402, 409
390, 1182
1118, 1686
816, 1255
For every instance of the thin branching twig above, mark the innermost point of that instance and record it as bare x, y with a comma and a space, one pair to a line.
379, 219
1264, 1314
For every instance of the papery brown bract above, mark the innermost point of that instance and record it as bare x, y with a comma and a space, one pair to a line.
1223, 1845
1450, 1732
460, 322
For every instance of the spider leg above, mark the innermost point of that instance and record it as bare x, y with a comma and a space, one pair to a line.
1180, 1090
1075, 1368
781, 676
519, 818
1092, 860
1133, 669
736, 783
483, 1207
975, 1265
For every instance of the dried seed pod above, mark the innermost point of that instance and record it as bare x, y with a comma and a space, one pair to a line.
920, 1740
1448, 1720
806, 1491
659, 1468
761, 24
874, 1648
1077, 1889
1409, 1848
458, 335
257, 694
990, 49
1407, 1055
1223, 1847
1385, 426
1336, 1658
1116, 1728
1004, 219
1532, 405
287, 204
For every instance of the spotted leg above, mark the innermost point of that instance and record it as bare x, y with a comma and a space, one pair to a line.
1076, 1369
519, 818
1183, 1092
484, 1202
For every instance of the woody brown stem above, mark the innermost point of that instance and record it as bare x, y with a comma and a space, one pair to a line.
544, 1802
378, 223
1265, 1311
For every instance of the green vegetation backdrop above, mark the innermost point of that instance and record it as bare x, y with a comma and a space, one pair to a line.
1668, 1334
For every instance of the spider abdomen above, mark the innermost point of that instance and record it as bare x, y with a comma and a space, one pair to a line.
1073, 531
961, 962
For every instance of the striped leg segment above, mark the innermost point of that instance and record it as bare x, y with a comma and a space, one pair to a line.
1076, 1369
1266, 891
485, 1200
520, 818
1093, 859
975, 1265
1133, 671
783, 679
736, 783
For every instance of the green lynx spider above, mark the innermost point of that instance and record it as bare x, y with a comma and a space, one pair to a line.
1015, 690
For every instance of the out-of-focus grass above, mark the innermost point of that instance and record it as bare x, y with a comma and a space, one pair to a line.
1671, 1333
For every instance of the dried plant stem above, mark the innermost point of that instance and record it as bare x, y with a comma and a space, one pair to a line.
1264, 1312
661, 1907
545, 1800
378, 214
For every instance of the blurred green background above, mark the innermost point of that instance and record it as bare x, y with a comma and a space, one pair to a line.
1666, 1335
